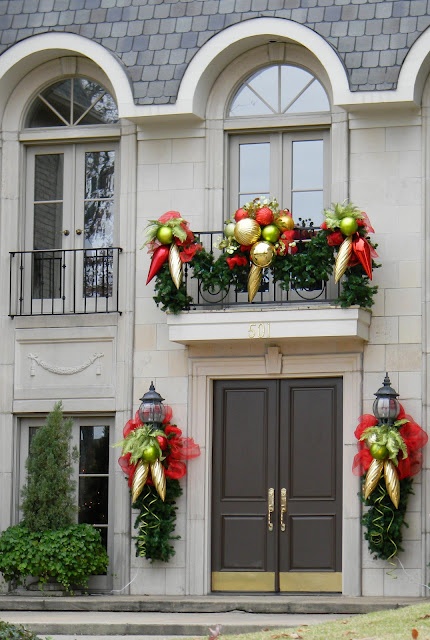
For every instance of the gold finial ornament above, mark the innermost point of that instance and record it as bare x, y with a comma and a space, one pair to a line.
343, 257
158, 478
139, 480
175, 265
254, 281
372, 477
392, 482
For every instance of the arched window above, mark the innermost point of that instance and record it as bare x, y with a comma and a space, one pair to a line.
72, 102
70, 195
279, 89
284, 152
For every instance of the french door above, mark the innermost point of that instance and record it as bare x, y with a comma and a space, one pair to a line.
277, 485
70, 228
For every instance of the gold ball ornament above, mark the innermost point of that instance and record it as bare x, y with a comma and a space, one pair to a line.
247, 231
285, 223
262, 253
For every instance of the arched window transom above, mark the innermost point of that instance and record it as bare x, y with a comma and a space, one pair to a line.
72, 102
279, 89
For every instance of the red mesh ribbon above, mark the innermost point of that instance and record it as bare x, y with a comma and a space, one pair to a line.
179, 449
415, 439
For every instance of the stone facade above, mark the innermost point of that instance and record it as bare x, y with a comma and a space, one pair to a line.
172, 67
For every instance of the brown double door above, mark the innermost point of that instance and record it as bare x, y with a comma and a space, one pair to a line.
277, 485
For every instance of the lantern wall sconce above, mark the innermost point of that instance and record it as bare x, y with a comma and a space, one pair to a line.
386, 407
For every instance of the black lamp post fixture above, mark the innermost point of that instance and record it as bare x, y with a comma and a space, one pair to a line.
386, 407
152, 410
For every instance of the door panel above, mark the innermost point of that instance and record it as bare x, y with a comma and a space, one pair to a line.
284, 436
245, 459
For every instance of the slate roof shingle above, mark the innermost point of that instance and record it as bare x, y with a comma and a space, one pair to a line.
371, 37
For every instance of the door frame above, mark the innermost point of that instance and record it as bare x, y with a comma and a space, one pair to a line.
203, 370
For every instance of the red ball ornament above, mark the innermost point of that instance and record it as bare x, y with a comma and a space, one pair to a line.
264, 216
241, 214
163, 442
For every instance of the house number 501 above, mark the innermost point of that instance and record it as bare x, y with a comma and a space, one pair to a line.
259, 330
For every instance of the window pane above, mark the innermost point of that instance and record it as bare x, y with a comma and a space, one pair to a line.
48, 220
94, 450
246, 103
93, 500
293, 81
41, 115
308, 164
47, 275
48, 177
254, 168
313, 99
92, 96
266, 84
308, 204
99, 174
58, 97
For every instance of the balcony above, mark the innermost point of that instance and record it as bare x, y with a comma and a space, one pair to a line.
64, 282
303, 308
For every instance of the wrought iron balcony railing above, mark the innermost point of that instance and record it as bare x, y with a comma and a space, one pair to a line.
64, 281
270, 292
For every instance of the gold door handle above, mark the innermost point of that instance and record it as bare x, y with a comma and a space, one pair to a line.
283, 508
78, 232
270, 508
66, 232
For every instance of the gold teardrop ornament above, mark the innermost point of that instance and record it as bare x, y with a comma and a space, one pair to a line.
175, 265
373, 476
343, 257
247, 231
158, 478
139, 480
392, 482
254, 281
262, 253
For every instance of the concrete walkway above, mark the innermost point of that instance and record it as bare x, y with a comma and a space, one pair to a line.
143, 617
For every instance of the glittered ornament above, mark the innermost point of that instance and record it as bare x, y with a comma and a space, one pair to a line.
284, 222
247, 231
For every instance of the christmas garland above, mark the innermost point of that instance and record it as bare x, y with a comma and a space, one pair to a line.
388, 456
153, 460
262, 236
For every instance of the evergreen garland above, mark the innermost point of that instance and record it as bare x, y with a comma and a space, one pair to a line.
307, 269
156, 522
383, 522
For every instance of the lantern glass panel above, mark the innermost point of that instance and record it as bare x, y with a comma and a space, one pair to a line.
386, 408
152, 412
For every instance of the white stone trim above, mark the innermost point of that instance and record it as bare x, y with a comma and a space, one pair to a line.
206, 369
268, 324
24, 56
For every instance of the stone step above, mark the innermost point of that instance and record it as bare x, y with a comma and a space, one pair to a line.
271, 604
162, 625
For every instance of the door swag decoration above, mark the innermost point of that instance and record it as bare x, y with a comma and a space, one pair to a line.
262, 236
153, 460
389, 455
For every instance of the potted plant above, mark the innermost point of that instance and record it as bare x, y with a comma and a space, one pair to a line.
16, 632
47, 543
